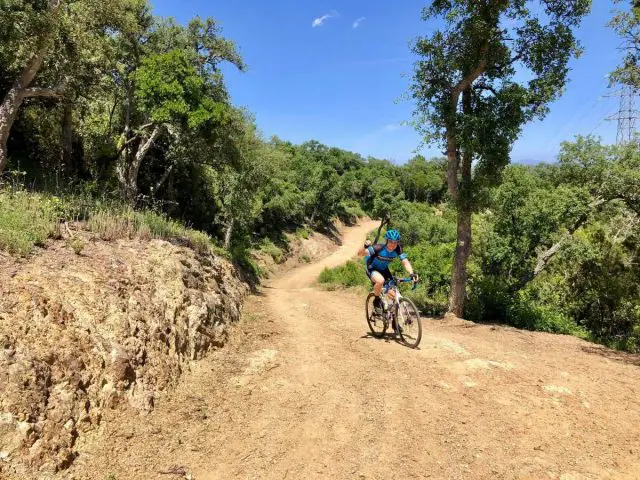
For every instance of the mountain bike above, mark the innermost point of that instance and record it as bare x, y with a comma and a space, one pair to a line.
398, 311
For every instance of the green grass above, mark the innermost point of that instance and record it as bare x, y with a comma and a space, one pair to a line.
304, 259
28, 219
351, 274
303, 233
267, 246
145, 225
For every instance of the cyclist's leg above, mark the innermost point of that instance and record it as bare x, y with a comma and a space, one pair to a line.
378, 282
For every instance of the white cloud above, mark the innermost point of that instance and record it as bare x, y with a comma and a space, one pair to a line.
357, 23
320, 20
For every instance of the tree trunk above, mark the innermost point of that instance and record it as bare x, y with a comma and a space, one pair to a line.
228, 234
67, 141
313, 214
18, 92
128, 169
463, 250
163, 179
13, 100
385, 221
464, 207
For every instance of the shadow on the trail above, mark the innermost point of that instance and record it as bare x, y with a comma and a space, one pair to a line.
615, 355
330, 230
387, 337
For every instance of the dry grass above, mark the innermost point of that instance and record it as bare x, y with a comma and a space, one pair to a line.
29, 219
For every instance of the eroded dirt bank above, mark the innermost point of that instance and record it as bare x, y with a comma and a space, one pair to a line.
108, 329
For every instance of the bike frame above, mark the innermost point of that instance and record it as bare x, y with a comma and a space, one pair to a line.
393, 284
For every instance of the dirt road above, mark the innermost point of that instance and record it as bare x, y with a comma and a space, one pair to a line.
303, 392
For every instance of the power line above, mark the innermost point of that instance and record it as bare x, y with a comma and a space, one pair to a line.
627, 115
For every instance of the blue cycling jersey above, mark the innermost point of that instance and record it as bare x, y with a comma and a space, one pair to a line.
380, 257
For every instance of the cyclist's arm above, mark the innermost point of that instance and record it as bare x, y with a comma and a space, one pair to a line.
407, 266
367, 250
405, 260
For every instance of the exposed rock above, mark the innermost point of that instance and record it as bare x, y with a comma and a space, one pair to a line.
107, 329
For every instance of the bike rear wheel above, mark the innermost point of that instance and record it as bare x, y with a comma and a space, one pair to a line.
377, 323
410, 323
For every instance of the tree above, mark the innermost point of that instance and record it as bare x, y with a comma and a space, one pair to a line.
51, 48
627, 25
43, 20
167, 88
470, 101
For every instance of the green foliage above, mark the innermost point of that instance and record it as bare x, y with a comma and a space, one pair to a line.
77, 244
351, 274
557, 250
477, 52
305, 259
26, 221
267, 246
418, 223
145, 225
349, 211
303, 233
170, 89
627, 25
424, 180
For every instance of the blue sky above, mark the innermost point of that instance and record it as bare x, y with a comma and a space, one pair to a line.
336, 71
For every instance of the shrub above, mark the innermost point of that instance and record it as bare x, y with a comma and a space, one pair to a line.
267, 246
26, 221
77, 243
351, 274
303, 233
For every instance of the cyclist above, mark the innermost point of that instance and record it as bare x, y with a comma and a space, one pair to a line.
378, 258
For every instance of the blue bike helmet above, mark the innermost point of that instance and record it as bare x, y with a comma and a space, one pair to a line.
393, 235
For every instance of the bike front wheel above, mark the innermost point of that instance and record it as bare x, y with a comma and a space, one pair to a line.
410, 323
377, 323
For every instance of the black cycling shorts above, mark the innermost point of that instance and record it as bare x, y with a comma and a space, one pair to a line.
386, 273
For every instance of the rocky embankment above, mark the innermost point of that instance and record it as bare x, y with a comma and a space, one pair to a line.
110, 328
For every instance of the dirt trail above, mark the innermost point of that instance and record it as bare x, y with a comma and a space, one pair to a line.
304, 392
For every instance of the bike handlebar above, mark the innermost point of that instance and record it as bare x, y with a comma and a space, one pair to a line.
406, 280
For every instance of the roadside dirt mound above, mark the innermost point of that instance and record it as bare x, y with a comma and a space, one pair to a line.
107, 329
301, 251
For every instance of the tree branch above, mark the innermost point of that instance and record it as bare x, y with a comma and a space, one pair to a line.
545, 258
452, 147
484, 86
43, 92
166, 174
469, 79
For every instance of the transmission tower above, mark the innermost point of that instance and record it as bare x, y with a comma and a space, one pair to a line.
627, 115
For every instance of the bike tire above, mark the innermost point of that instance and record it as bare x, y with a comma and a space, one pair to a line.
377, 323
408, 318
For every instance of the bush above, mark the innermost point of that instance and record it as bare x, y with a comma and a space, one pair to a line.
26, 221
303, 233
525, 313
349, 211
267, 246
77, 243
29, 219
351, 274
433, 264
